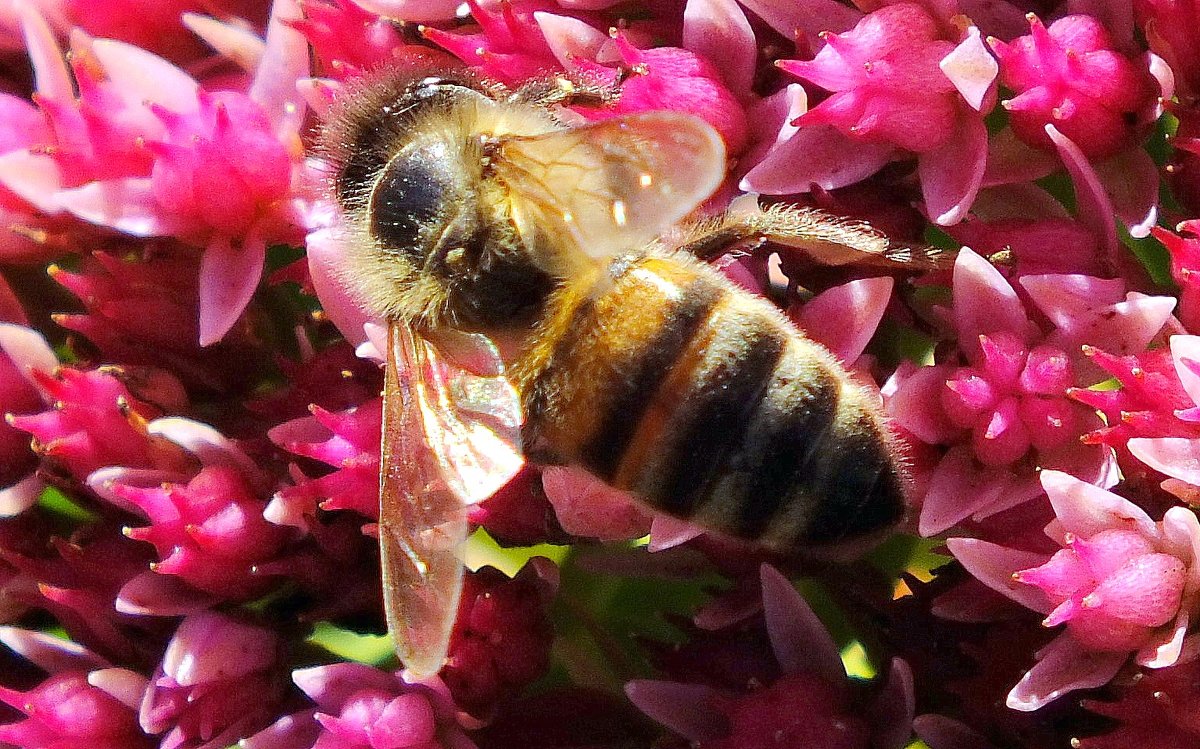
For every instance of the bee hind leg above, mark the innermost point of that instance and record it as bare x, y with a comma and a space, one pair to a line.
567, 90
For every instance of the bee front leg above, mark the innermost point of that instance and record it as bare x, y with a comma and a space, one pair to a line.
567, 90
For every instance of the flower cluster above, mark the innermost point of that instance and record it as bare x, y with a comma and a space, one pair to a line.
196, 416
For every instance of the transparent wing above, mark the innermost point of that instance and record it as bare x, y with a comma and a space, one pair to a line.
450, 439
613, 185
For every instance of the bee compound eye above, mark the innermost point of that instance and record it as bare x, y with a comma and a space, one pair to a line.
409, 197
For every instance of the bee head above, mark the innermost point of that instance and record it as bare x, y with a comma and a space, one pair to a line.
429, 236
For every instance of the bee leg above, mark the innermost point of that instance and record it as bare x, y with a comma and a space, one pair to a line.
566, 90
824, 238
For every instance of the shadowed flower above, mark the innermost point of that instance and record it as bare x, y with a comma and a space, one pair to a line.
1184, 248
501, 642
360, 707
1121, 583
1154, 709
810, 704
1172, 29
219, 680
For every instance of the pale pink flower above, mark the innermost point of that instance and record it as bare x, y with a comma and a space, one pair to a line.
220, 679
1004, 411
22, 352
360, 707
1122, 583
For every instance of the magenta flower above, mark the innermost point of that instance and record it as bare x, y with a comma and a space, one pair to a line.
1121, 583
209, 532
84, 703
1069, 75
809, 704
1171, 28
96, 422
900, 85
1173, 448
1005, 411
219, 680
509, 45
349, 40
359, 707
348, 442
1185, 268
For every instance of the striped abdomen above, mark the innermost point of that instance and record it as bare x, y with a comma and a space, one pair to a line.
666, 380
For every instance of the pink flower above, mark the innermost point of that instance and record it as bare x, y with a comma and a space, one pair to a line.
1121, 583
1171, 31
808, 704
96, 422
359, 707
1070, 76
209, 532
1185, 268
347, 441
501, 642
219, 680
509, 45
899, 83
82, 704
349, 40
1005, 411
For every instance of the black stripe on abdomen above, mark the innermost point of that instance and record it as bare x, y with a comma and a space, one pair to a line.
632, 387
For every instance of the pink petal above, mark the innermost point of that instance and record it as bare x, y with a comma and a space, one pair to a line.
1085, 510
1169, 647
52, 78
28, 350
718, 31
1184, 349
1063, 666
686, 709
20, 496
284, 62
1178, 457
844, 318
1017, 201
124, 686
799, 639
667, 532
33, 177
570, 39
326, 249
49, 653
1181, 531
1093, 206
1121, 329
808, 17
207, 444
816, 155
586, 506
914, 402
140, 76
228, 279
127, 205
210, 647
230, 40
1130, 179
984, 303
892, 711
952, 173
994, 566
151, 594
1063, 298
330, 686
971, 68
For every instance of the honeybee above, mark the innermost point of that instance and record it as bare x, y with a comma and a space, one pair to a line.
474, 214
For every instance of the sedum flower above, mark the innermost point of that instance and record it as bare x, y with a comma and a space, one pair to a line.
1153, 708
210, 532
1004, 410
810, 703
1171, 28
349, 40
1070, 76
501, 642
360, 707
901, 83
1121, 583
1184, 248
219, 680
84, 702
